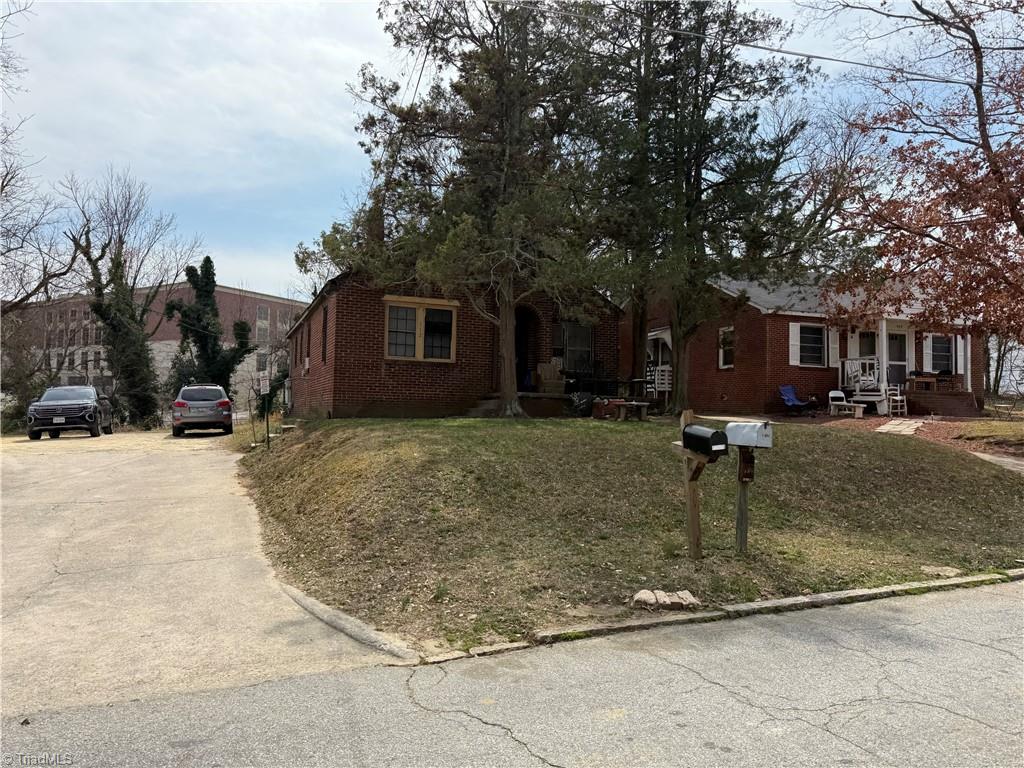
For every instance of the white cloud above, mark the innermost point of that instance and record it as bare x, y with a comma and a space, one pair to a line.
196, 96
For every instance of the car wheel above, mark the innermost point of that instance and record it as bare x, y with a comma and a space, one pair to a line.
94, 429
33, 435
229, 429
54, 434
177, 431
108, 430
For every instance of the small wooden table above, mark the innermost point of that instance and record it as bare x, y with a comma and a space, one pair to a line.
922, 383
624, 409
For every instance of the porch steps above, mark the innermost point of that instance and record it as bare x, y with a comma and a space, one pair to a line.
942, 404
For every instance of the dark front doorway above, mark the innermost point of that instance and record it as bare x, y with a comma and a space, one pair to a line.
526, 349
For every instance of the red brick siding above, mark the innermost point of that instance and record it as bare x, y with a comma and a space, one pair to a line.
359, 380
738, 389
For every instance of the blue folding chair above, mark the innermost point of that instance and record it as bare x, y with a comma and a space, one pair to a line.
793, 403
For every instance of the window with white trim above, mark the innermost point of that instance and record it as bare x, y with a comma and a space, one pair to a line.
813, 345
942, 353
418, 329
726, 347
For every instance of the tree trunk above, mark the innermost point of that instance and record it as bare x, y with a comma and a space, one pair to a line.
987, 352
509, 400
638, 318
680, 400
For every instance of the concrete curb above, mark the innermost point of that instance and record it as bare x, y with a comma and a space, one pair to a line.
353, 627
801, 602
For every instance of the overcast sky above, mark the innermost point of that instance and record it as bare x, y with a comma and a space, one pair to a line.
237, 115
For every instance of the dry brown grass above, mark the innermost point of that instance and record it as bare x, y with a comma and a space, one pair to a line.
475, 530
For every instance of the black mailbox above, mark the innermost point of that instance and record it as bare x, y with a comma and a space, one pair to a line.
705, 441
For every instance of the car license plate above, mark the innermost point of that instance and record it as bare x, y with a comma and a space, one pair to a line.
58, 419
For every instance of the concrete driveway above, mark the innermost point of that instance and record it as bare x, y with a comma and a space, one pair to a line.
132, 568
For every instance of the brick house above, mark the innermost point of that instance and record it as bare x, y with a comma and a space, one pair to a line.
783, 335
362, 350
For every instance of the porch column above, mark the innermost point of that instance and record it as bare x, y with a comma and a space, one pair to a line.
967, 361
883, 354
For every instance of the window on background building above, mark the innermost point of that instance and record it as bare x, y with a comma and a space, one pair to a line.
726, 347
97, 335
261, 362
420, 331
51, 337
72, 336
323, 335
85, 361
97, 359
284, 318
577, 346
49, 318
942, 353
867, 344
262, 334
262, 313
73, 315
812, 345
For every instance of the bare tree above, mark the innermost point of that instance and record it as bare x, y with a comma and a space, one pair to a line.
36, 262
129, 255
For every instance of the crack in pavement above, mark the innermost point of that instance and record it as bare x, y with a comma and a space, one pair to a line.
411, 695
72, 530
766, 709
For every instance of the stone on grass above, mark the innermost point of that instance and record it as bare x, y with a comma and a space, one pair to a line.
644, 599
662, 598
943, 571
688, 600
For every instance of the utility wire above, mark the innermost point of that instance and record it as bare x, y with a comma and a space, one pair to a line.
759, 47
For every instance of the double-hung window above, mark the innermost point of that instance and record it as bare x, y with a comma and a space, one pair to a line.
813, 345
726, 347
942, 353
419, 329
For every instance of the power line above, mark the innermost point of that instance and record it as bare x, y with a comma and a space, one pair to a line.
759, 47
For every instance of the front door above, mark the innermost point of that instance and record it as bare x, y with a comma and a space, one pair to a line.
897, 371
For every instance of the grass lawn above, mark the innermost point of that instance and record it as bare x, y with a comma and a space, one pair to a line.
476, 530
1002, 435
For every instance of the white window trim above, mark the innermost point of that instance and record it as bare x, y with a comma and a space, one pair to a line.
824, 340
420, 306
722, 332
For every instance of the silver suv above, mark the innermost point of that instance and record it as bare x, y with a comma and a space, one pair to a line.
201, 406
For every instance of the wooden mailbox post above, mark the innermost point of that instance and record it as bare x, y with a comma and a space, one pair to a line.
710, 444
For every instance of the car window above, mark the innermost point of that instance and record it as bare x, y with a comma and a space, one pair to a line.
69, 393
197, 394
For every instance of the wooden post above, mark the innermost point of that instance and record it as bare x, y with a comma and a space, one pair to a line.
745, 475
693, 470
266, 415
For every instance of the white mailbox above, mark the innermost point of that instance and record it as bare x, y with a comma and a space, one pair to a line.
748, 434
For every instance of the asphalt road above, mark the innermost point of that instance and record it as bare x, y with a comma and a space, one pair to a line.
132, 569
929, 680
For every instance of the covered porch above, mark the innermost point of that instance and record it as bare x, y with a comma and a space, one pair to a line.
931, 369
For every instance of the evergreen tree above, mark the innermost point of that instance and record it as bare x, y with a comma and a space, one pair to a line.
474, 192
201, 331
